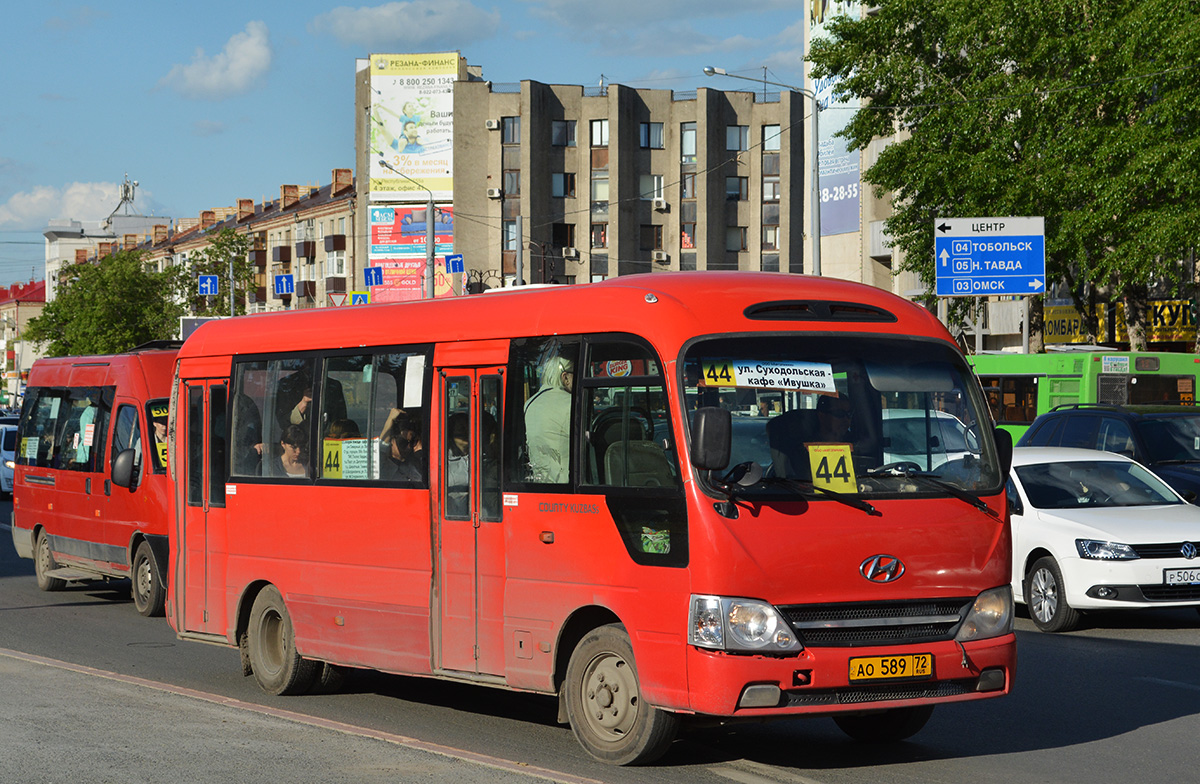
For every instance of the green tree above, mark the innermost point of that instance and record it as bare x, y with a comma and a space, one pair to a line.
1081, 111
213, 259
108, 307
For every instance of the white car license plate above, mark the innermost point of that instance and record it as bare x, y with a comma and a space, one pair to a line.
1181, 576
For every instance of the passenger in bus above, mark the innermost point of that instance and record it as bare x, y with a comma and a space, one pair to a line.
458, 464
343, 429
247, 436
293, 403
548, 422
833, 419
398, 461
292, 463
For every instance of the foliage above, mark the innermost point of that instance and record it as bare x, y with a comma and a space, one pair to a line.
1081, 111
108, 307
213, 259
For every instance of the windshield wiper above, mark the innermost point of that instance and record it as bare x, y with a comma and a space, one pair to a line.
809, 489
941, 484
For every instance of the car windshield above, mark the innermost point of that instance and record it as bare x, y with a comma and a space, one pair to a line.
9, 442
1171, 438
1092, 483
853, 415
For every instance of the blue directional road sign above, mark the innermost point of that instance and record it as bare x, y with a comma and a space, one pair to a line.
208, 285
980, 257
454, 263
373, 276
285, 284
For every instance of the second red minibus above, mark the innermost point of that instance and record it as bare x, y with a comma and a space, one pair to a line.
659, 498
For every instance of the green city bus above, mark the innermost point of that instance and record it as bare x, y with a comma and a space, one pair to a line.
1021, 386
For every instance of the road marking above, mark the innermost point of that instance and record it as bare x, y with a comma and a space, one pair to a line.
1162, 682
758, 773
312, 721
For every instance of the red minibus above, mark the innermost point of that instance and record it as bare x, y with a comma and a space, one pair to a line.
69, 516
660, 498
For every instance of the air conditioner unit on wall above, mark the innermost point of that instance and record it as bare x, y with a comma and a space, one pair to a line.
494, 193
570, 253
661, 255
660, 205
492, 125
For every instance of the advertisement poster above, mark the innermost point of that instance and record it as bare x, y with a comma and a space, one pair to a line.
412, 126
398, 246
840, 174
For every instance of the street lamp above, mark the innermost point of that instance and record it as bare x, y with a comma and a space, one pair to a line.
815, 178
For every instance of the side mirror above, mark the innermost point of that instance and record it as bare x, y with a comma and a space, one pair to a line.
123, 468
712, 434
1004, 450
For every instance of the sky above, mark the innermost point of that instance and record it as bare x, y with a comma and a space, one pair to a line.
206, 103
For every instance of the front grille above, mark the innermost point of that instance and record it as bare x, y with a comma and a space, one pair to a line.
876, 623
1171, 593
1161, 550
858, 695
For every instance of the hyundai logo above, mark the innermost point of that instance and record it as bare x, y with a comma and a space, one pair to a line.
886, 568
1188, 550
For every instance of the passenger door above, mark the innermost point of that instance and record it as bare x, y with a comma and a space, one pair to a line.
470, 538
201, 486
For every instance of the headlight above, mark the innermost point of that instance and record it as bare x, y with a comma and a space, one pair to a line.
991, 615
727, 623
1104, 551
10, 464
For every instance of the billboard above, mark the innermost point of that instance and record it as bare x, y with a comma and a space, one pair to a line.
840, 175
398, 247
411, 126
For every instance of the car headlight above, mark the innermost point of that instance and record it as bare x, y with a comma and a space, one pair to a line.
990, 616
727, 623
10, 464
1104, 551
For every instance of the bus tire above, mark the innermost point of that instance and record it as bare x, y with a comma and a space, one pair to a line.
277, 666
888, 726
604, 705
43, 563
149, 595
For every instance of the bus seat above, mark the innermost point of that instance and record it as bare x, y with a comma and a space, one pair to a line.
637, 464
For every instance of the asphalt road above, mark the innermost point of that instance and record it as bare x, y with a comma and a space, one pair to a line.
92, 692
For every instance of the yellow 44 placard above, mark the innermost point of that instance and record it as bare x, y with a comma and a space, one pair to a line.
832, 467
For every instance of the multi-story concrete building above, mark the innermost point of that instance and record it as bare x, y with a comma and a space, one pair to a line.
18, 304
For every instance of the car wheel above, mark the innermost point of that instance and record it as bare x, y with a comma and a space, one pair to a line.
43, 564
277, 666
149, 595
604, 704
1045, 594
887, 726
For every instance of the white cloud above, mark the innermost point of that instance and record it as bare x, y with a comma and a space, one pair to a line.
32, 209
408, 25
243, 62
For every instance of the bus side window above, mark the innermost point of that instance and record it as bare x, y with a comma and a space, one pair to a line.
543, 382
38, 442
127, 435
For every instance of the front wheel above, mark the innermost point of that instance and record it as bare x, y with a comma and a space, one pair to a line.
604, 703
1045, 593
149, 595
887, 726
277, 666
43, 564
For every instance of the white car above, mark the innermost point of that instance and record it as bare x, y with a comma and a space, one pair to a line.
1097, 531
8, 458
926, 438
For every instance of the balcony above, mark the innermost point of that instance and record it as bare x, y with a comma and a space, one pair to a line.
306, 249
335, 242
281, 254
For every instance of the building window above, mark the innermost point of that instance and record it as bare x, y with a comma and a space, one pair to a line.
341, 225
599, 133
687, 142
562, 185
771, 135
687, 236
651, 186
510, 235
600, 186
335, 263
737, 188
599, 235
770, 189
562, 235
511, 129
735, 238
562, 133
737, 137
687, 186
652, 237
652, 135
512, 183
770, 240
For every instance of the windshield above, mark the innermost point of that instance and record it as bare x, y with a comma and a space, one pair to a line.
1171, 438
1092, 483
848, 414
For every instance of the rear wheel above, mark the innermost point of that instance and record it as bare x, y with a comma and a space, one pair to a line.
604, 703
887, 726
43, 564
1045, 594
277, 667
149, 596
